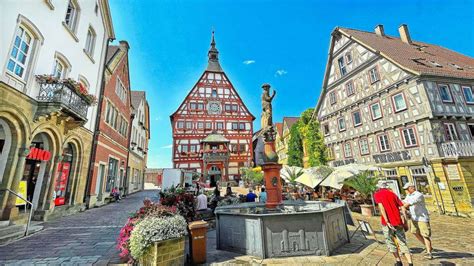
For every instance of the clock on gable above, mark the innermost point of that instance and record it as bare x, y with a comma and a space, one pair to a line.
214, 108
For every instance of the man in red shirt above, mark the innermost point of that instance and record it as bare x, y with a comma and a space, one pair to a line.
392, 222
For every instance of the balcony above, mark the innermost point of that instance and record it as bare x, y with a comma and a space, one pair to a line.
458, 148
215, 155
64, 96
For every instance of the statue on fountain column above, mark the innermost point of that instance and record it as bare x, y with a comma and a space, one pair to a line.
267, 120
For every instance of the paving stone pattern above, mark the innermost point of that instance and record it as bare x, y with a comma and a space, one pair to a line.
81, 239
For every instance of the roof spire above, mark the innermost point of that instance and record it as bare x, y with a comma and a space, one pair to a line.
213, 55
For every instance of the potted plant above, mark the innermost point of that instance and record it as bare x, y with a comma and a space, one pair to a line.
365, 184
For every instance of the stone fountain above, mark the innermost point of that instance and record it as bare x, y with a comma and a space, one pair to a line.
277, 228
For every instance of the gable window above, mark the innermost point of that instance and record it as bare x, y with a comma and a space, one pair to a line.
235, 126
326, 129
189, 125
220, 125
228, 107
332, 97
208, 125
445, 93
234, 108
364, 146
450, 132
180, 124
348, 57
72, 14
409, 137
192, 106
399, 103
241, 126
468, 94
21, 51
341, 122
200, 125
347, 150
90, 42
214, 93
200, 106
356, 118
374, 75
375, 111
384, 145
350, 88
342, 66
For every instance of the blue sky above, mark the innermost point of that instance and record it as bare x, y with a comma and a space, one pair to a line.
284, 43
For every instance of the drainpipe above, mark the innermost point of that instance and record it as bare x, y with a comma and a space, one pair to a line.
95, 139
132, 116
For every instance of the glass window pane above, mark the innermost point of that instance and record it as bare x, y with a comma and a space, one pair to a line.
24, 47
17, 41
19, 70
14, 52
11, 65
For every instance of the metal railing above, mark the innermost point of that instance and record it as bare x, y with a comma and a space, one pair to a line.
458, 148
28, 202
62, 93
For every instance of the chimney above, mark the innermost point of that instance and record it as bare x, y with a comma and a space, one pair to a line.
404, 34
379, 30
124, 44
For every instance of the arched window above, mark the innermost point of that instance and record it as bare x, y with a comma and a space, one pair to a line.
61, 66
72, 15
84, 82
90, 42
23, 48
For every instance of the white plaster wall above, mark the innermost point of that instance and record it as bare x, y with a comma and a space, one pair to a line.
56, 38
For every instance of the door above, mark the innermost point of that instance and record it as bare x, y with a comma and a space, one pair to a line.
100, 182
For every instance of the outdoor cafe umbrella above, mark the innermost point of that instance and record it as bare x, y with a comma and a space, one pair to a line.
314, 175
288, 173
341, 173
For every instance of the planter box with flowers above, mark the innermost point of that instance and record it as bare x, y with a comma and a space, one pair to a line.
154, 235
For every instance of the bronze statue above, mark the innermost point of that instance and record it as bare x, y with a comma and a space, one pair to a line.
267, 121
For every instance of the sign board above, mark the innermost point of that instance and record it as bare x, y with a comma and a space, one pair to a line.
365, 227
61, 182
22, 192
39, 154
392, 157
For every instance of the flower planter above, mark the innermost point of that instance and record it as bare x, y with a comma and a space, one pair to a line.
367, 210
167, 252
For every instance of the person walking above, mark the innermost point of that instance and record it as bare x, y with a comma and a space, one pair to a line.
392, 222
420, 219
263, 195
201, 201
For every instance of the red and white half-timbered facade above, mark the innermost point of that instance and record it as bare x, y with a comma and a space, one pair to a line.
212, 128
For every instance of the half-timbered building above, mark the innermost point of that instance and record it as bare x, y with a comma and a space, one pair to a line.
212, 127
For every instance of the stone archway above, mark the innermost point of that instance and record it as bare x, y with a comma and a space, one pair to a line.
5, 145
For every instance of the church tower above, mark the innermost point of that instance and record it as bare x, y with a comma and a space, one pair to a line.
212, 127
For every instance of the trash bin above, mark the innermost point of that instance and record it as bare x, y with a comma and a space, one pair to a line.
198, 241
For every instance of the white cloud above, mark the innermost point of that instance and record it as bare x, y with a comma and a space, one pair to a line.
158, 118
167, 146
248, 62
281, 72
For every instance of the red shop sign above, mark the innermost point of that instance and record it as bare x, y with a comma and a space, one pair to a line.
39, 154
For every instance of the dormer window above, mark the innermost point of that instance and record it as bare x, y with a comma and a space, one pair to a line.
436, 64
456, 66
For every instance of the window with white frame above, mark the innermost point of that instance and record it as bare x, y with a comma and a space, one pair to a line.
120, 90
445, 93
383, 143
468, 94
374, 75
184, 148
90, 42
375, 111
72, 14
341, 122
347, 150
356, 118
220, 125
20, 53
189, 125
350, 90
409, 137
342, 66
214, 93
332, 97
180, 124
399, 102
364, 146
59, 69
391, 173
450, 132
208, 125
420, 179
200, 125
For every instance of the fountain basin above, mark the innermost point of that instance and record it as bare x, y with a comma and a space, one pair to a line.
310, 228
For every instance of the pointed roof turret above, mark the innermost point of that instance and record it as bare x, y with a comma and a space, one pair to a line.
213, 55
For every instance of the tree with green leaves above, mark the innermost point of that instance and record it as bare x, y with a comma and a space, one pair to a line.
309, 130
365, 183
295, 147
254, 176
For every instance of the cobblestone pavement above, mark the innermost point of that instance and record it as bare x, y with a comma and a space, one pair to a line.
80, 239
452, 241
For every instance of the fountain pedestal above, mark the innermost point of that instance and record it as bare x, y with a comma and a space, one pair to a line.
271, 171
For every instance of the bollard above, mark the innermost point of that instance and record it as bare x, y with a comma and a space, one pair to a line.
198, 239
